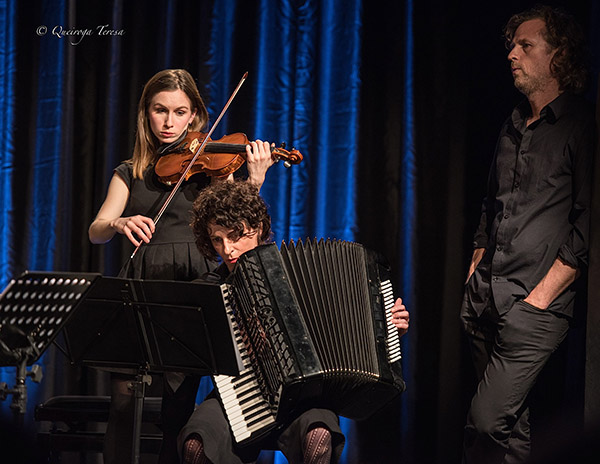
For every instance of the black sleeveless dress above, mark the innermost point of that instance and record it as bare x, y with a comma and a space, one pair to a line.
172, 253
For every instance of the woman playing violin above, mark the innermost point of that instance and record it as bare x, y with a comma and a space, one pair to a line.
170, 105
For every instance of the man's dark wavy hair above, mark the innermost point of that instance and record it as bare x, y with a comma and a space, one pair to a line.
569, 64
231, 205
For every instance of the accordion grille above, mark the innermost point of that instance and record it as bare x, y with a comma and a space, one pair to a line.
334, 296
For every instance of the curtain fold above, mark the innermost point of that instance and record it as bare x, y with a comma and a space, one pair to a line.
7, 102
47, 163
222, 82
407, 240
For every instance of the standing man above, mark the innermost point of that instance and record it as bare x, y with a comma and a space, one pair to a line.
532, 242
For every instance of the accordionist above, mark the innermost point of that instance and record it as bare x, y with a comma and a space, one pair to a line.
229, 219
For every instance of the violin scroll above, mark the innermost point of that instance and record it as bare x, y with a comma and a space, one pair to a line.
290, 157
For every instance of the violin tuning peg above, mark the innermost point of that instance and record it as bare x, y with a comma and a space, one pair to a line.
282, 144
287, 164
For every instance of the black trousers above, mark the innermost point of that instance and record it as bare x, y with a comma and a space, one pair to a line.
509, 352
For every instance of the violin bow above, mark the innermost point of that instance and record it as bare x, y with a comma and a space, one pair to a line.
196, 154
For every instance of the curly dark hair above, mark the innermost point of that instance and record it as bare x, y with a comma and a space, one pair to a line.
563, 34
232, 205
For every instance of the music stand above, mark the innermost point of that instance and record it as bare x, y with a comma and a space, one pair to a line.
33, 309
153, 326
143, 326
157, 326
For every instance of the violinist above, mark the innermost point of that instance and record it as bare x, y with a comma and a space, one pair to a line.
170, 106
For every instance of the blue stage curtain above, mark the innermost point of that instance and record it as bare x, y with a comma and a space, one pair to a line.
309, 62
47, 165
306, 92
43, 227
7, 82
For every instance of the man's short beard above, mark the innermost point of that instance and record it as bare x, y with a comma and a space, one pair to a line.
528, 86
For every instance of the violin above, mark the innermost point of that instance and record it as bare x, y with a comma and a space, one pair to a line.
219, 158
192, 150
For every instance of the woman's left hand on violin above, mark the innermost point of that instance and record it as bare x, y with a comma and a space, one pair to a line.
259, 158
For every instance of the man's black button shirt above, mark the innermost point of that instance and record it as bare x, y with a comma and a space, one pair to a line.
537, 203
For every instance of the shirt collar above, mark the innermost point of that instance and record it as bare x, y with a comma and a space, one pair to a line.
551, 112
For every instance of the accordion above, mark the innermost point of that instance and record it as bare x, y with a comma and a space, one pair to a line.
313, 325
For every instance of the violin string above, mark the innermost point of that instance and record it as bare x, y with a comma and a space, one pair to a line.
200, 149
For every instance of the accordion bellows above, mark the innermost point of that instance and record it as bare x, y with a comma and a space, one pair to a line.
313, 321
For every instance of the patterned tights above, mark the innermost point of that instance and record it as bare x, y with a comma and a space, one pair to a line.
316, 448
193, 451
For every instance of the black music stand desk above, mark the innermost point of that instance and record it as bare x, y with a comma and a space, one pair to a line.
142, 326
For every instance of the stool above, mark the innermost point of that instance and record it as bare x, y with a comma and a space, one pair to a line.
72, 416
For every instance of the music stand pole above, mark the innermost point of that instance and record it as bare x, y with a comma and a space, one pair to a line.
19, 355
19, 401
139, 387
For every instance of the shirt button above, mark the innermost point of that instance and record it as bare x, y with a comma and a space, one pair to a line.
495, 279
506, 216
499, 248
